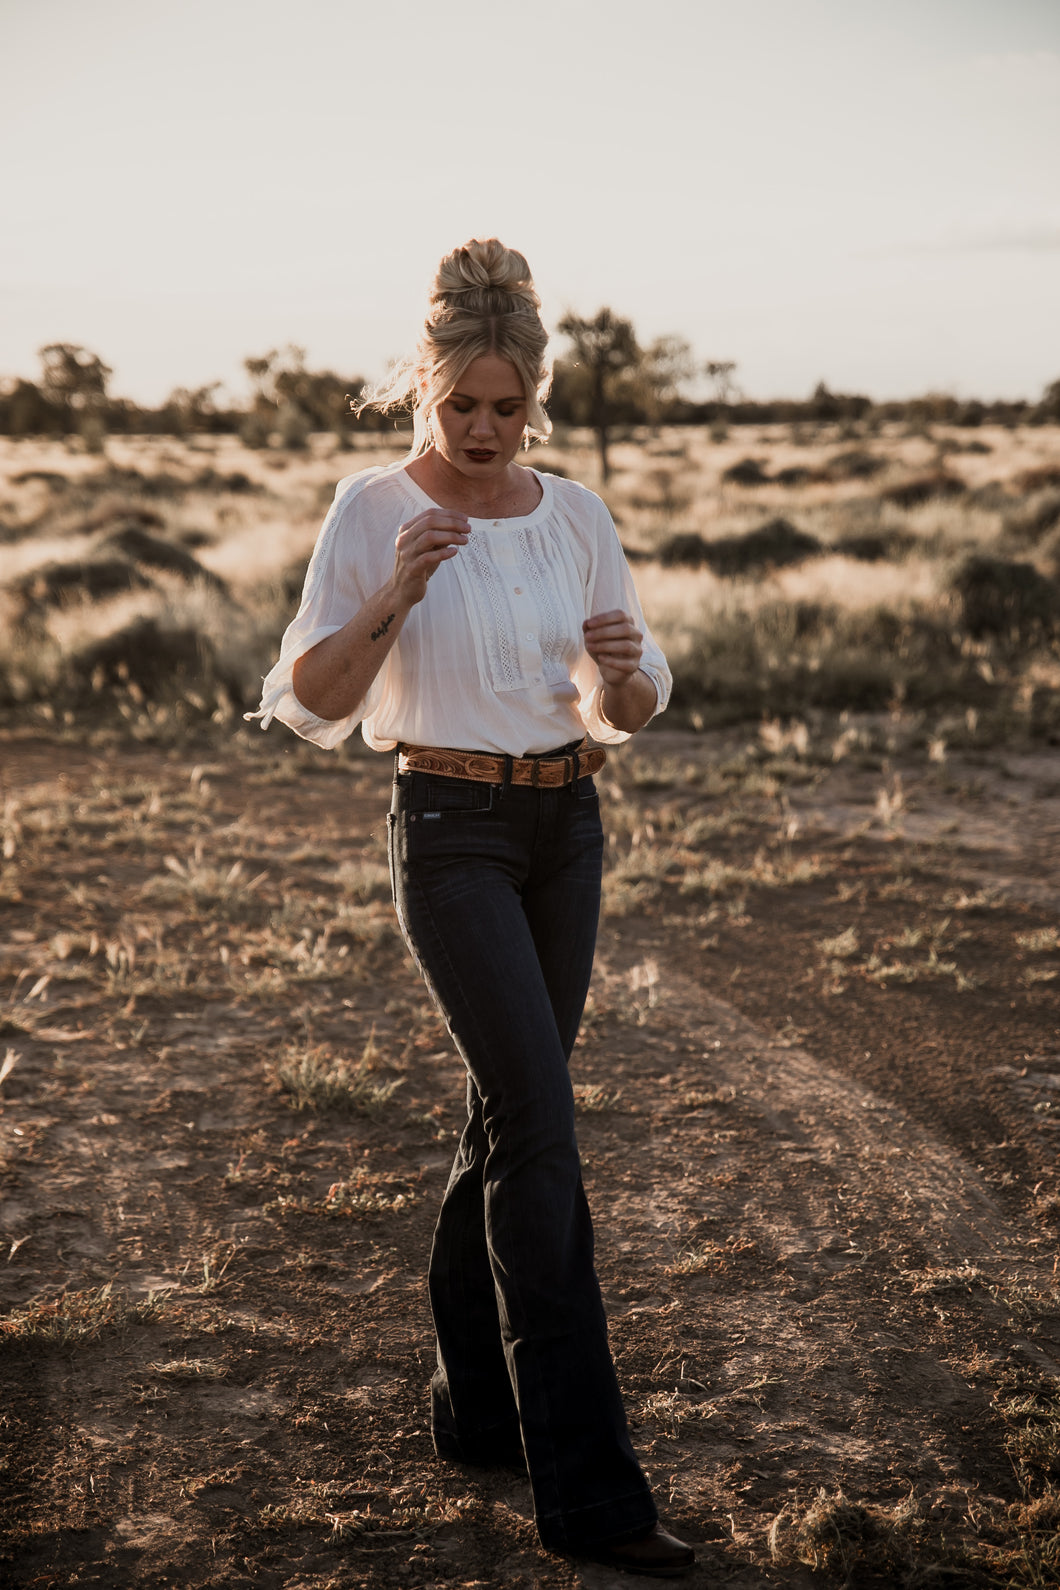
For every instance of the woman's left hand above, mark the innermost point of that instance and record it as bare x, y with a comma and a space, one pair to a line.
614, 644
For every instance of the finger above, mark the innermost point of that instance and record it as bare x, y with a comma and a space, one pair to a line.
430, 560
611, 633
435, 520
630, 660
615, 616
629, 640
616, 635
430, 548
616, 645
443, 517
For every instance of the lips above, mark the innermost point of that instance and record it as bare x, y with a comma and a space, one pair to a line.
479, 455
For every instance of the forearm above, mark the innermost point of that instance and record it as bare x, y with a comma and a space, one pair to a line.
629, 706
334, 677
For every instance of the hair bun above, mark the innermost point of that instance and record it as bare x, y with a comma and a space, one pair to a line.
484, 267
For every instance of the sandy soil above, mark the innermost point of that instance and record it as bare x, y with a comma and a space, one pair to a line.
819, 1080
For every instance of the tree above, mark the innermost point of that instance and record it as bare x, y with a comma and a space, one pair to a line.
24, 410
607, 348
721, 372
191, 409
73, 377
75, 381
296, 401
1049, 407
661, 369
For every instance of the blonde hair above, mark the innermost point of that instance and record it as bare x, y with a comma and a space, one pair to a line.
482, 302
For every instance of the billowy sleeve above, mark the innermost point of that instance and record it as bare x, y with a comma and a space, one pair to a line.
334, 591
611, 587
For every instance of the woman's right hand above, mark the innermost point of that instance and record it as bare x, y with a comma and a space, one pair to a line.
422, 543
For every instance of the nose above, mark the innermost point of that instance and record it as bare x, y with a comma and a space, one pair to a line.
482, 423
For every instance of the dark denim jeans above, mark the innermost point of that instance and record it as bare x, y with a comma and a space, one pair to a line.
497, 892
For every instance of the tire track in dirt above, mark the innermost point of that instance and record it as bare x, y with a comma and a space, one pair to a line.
824, 1127
817, 1269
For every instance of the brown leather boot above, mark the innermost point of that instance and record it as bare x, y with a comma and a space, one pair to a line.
655, 1553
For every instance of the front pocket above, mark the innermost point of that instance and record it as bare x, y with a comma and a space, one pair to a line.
456, 795
456, 835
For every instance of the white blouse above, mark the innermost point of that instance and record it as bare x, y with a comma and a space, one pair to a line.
493, 658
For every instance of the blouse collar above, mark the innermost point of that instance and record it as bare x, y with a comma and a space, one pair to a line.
510, 522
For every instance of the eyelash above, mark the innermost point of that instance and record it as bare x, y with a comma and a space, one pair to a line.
505, 414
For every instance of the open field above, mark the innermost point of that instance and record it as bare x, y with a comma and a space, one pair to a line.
819, 1074
787, 571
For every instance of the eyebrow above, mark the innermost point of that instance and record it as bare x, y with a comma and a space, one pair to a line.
466, 397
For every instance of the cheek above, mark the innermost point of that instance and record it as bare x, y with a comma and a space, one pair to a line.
447, 425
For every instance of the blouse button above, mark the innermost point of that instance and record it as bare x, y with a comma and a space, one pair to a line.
518, 590
529, 634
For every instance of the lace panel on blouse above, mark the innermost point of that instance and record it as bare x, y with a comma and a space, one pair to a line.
547, 599
488, 593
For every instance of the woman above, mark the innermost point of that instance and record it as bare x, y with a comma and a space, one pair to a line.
479, 617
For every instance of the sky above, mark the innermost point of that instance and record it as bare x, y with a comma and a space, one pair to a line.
864, 192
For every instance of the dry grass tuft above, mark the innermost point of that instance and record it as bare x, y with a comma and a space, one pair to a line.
76, 1317
189, 1371
916, 1543
314, 1080
592, 1098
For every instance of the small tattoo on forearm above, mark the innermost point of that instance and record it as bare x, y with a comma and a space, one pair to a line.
384, 626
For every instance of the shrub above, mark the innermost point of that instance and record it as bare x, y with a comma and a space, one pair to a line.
294, 427
781, 660
795, 475
46, 477
687, 550
747, 472
117, 478
1004, 599
137, 544
876, 546
1028, 524
1050, 554
1039, 478
776, 544
237, 482
922, 488
255, 430
155, 659
91, 579
855, 465
117, 510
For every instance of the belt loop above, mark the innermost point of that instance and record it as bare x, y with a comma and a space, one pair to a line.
509, 764
576, 759
535, 773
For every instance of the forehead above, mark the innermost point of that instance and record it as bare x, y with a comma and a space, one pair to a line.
490, 379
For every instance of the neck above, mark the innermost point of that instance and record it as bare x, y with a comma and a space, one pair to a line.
451, 489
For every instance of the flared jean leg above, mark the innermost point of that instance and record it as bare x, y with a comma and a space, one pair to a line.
473, 1411
512, 1276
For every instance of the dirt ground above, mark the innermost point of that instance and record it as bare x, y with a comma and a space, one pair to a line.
819, 1084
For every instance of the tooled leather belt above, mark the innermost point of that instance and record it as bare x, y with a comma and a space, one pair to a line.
542, 772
